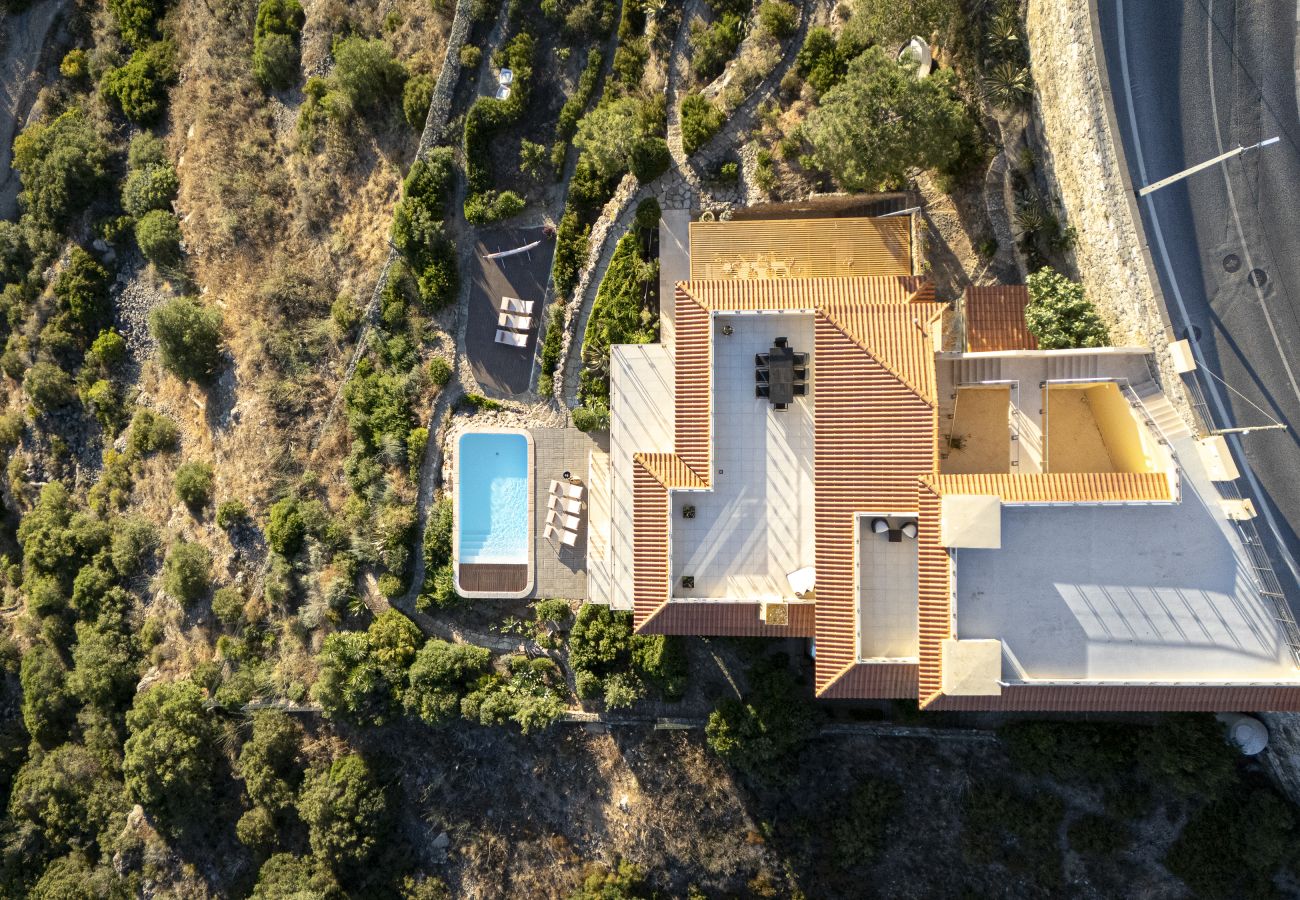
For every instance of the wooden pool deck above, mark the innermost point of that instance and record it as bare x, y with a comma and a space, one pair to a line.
497, 578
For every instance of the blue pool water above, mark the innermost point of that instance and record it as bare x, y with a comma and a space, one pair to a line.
492, 486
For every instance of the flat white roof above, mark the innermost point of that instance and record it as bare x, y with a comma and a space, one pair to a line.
887, 592
641, 420
756, 525
1159, 593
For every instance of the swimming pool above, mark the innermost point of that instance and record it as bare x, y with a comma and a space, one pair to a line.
493, 513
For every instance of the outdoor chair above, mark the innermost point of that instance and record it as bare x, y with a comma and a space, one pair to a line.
515, 305
781, 342
760, 376
550, 532
566, 505
780, 406
512, 338
562, 521
569, 538
801, 389
760, 360
800, 374
760, 391
801, 359
518, 323
571, 491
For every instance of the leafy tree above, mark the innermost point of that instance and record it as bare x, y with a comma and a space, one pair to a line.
139, 88
48, 705
363, 676
275, 42
366, 71
771, 722
82, 289
66, 794
103, 666
1059, 314
819, 60
1234, 846
609, 134
269, 761
193, 484
416, 97
288, 877
529, 697
48, 386
170, 755
72, 877
133, 544
109, 348
137, 20
189, 338
146, 149
148, 188
345, 811
881, 123
778, 18
158, 233
56, 541
285, 530
256, 829
713, 44
439, 678
14, 254
187, 572
63, 164
228, 605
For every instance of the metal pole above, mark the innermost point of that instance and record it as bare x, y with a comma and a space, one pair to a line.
1179, 176
1248, 429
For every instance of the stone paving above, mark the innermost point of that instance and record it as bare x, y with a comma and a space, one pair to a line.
559, 571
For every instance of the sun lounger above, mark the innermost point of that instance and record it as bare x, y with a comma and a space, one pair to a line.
563, 521
571, 491
569, 538
565, 505
514, 339
518, 323
550, 532
515, 305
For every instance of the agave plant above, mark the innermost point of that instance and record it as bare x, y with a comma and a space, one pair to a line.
1008, 85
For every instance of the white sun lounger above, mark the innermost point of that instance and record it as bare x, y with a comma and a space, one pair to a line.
514, 339
569, 538
550, 532
518, 323
515, 305
569, 523
565, 505
569, 491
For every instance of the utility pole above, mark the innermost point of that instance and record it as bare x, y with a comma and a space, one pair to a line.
1179, 176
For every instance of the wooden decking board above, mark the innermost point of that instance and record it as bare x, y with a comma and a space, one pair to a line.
488, 577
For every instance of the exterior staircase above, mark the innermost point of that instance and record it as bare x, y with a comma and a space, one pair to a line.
1071, 366
972, 370
1167, 420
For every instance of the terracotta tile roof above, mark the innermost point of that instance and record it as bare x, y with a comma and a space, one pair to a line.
995, 319
934, 595
801, 248
1131, 698
670, 470
650, 569
877, 681
726, 618
1062, 487
693, 381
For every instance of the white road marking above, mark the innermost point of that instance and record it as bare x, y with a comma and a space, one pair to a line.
1233, 439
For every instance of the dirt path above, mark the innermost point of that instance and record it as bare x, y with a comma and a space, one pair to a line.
21, 47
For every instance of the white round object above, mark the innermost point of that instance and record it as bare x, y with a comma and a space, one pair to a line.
1248, 734
918, 52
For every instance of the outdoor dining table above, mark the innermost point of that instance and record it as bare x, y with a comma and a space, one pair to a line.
780, 375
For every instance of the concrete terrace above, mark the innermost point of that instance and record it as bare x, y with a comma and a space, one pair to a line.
560, 571
756, 524
1158, 593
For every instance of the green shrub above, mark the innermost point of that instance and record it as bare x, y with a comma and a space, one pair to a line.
439, 371
591, 418
269, 761
1059, 314
346, 812
650, 159
158, 233
489, 115
571, 240
187, 572
491, 206
189, 338
275, 42
228, 605
618, 316
231, 513
819, 61
701, 120
772, 722
285, 530
576, 102
137, 20
1234, 846
75, 65
713, 44
366, 71
529, 697
285, 875
1017, 830
63, 165
778, 18
134, 543
82, 289
416, 97
440, 676
648, 214
193, 484
470, 57
109, 349
363, 675
139, 88
858, 824
48, 386
152, 432
47, 707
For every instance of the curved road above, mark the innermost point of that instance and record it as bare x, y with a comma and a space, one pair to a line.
1190, 80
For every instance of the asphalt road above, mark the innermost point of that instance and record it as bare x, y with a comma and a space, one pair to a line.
1190, 80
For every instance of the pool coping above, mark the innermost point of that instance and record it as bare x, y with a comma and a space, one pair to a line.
455, 547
